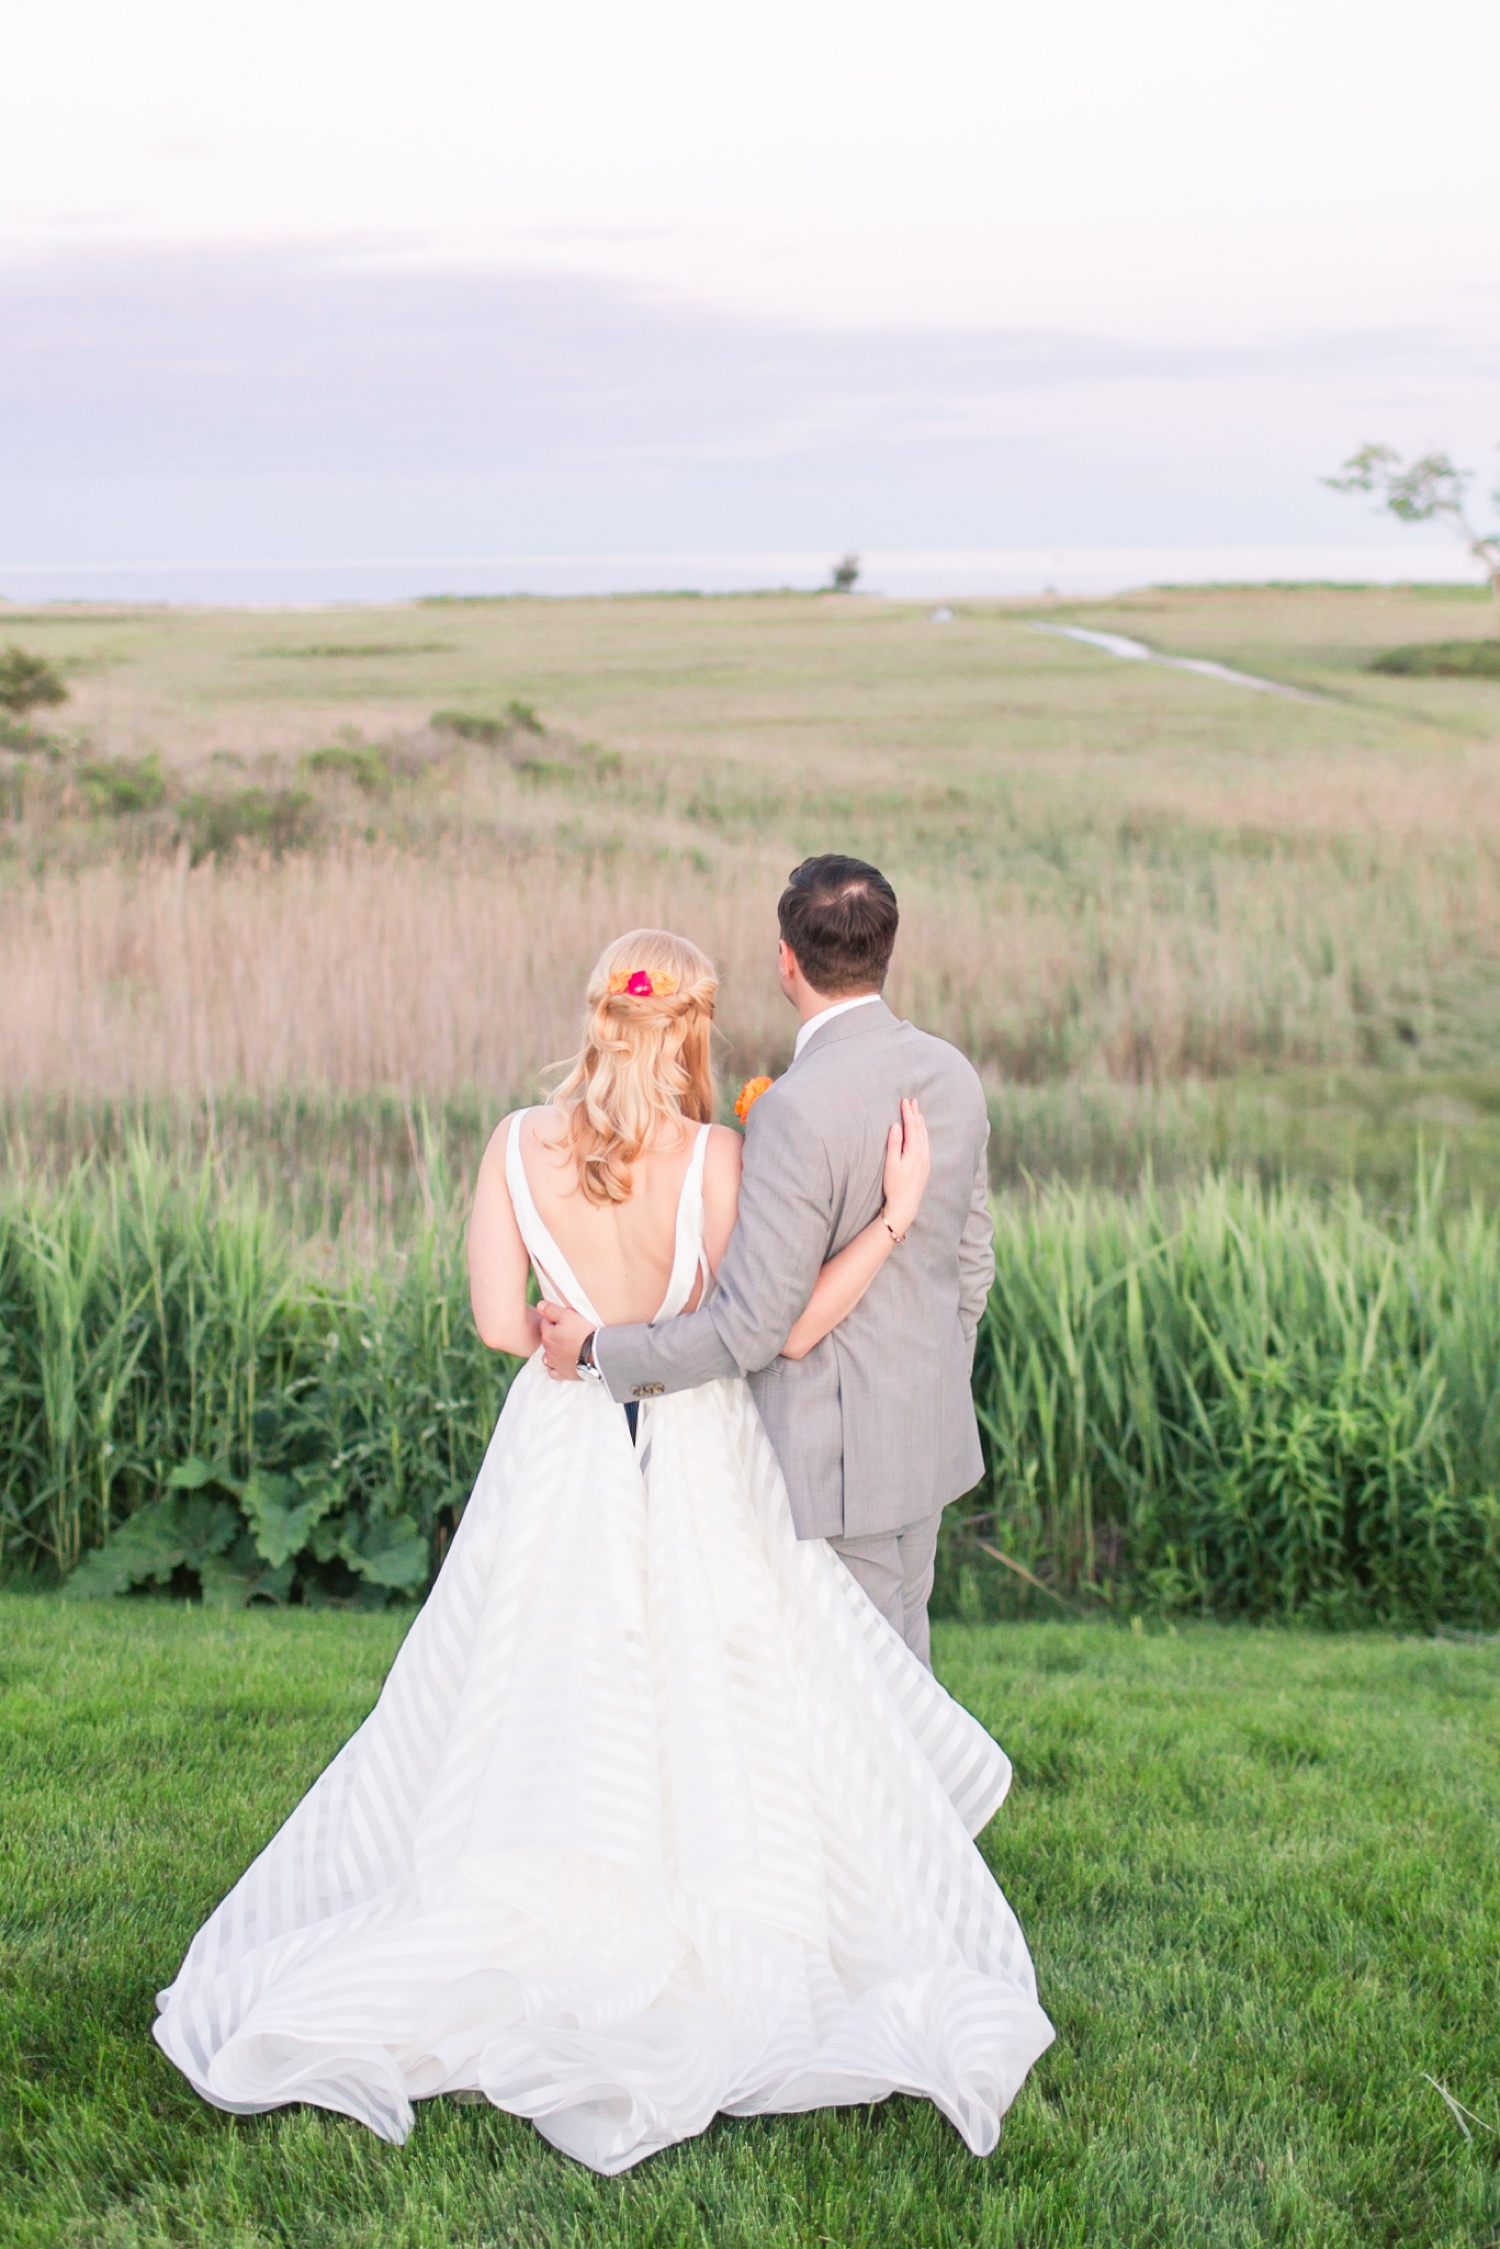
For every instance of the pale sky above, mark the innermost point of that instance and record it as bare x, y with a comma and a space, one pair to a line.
1251, 233
1172, 167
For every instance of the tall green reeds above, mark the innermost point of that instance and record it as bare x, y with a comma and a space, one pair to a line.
181, 1391
1243, 1401
1248, 1401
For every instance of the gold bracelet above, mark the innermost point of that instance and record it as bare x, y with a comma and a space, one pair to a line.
898, 1239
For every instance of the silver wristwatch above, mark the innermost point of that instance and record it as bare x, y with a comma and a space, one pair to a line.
587, 1371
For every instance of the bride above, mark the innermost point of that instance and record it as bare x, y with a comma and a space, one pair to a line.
656, 1816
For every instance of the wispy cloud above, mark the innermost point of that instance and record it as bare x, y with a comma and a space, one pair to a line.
579, 407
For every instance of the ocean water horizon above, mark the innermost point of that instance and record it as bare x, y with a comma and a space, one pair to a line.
898, 573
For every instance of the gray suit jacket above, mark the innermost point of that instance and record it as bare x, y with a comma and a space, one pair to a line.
875, 1428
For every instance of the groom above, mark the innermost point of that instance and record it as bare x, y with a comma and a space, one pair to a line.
875, 1428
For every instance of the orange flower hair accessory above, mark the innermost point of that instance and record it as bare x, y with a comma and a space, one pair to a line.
642, 984
750, 1093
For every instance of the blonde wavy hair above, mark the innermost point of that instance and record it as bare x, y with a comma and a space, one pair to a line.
645, 1062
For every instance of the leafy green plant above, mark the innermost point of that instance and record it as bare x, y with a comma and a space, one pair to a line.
120, 786
28, 682
184, 1402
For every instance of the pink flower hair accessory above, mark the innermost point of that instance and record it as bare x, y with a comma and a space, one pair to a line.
642, 984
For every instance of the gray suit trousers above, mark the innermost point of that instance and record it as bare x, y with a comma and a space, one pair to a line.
895, 1569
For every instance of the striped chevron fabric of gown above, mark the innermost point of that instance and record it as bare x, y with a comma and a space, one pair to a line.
655, 1818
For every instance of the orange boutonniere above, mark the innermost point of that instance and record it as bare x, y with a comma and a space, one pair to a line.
750, 1093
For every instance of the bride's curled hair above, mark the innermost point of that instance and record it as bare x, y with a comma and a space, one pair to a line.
646, 1059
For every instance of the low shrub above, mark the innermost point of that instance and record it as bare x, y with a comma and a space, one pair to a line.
470, 726
478, 726
363, 763
1442, 659
588, 762
119, 786
29, 682
344, 649
16, 735
274, 820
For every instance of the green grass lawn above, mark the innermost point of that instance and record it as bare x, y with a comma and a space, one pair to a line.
1258, 1871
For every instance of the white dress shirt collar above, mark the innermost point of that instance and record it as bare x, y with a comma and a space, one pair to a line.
827, 1014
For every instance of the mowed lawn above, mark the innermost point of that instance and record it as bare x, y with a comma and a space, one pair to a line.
1260, 1873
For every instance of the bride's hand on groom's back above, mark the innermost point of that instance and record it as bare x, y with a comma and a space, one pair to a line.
846, 1277
908, 1166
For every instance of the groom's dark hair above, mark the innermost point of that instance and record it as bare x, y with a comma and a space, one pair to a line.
839, 917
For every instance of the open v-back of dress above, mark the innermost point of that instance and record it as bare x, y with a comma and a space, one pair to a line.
655, 1817
556, 1277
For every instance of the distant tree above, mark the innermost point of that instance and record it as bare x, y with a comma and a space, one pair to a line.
1421, 491
845, 574
28, 683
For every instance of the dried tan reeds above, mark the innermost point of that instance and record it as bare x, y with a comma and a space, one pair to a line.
365, 968
372, 967
1108, 872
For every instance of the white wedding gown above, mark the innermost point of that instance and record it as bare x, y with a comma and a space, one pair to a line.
656, 1817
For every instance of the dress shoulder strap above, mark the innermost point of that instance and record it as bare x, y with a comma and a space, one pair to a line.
687, 1259
554, 1274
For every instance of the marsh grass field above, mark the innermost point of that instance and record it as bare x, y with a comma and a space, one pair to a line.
294, 904
1258, 1871
248, 879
